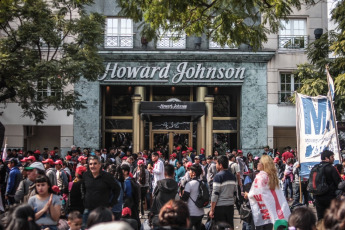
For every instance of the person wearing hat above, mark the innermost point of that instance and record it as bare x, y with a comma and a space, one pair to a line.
202, 154
13, 180
82, 161
190, 153
26, 188
281, 225
173, 159
185, 157
49, 165
75, 201
61, 177
30, 159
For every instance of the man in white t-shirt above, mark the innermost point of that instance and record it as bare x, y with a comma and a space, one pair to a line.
157, 170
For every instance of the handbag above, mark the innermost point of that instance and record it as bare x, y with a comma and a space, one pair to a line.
245, 212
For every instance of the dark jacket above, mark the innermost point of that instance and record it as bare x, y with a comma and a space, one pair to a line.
99, 191
13, 181
165, 190
332, 179
74, 200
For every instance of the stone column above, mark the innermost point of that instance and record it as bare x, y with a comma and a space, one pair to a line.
141, 90
136, 122
209, 124
201, 92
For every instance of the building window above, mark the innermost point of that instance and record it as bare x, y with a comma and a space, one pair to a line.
288, 85
45, 90
293, 35
171, 40
119, 33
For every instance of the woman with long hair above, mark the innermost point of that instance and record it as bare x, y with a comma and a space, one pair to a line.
46, 205
22, 218
266, 199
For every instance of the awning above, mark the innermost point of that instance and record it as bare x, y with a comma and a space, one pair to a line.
171, 111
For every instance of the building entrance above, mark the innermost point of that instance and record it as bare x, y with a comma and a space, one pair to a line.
167, 141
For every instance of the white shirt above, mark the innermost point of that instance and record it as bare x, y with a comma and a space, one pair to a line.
158, 173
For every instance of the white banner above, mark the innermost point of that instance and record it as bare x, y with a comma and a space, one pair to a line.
316, 130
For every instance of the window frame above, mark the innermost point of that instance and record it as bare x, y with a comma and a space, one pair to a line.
291, 39
118, 34
292, 84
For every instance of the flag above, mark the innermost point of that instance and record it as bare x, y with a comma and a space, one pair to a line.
4, 153
330, 84
316, 130
268, 205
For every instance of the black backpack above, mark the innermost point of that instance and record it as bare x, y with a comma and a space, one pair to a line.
203, 198
317, 180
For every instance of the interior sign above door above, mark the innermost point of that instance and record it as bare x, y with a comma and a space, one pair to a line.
172, 73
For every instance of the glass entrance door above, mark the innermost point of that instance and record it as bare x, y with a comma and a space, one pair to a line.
165, 141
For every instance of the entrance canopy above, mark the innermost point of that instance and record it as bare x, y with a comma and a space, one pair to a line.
171, 111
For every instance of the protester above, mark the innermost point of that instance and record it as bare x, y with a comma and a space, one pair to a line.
22, 218
99, 215
174, 214
46, 204
13, 181
332, 177
303, 218
127, 217
224, 188
75, 201
157, 170
98, 188
190, 195
266, 199
142, 176
75, 220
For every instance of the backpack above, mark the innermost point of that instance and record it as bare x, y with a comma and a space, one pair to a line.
317, 180
203, 198
136, 191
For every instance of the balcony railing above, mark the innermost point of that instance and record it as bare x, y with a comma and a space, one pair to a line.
123, 41
215, 45
284, 97
171, 42
293, 41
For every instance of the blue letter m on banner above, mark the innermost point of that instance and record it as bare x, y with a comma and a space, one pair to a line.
310, 117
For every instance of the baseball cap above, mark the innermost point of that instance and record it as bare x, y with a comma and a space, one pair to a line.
37, 151
48, 161
174, 155
80, 170
190, 149
124, 158
35, 165
239, 151
276, 160
140, 162
68, 157
197, 157
189, 164
24, 159
178, 148
31, 158
202, 150
82, 158
279, 223
183, 152
126, 211
58, 162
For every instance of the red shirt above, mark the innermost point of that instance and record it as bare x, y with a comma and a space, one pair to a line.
287, 155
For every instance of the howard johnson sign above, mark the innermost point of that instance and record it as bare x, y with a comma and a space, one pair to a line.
174, 73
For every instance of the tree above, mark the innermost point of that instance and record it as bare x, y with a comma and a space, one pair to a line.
313, 76
224, 21
47, 45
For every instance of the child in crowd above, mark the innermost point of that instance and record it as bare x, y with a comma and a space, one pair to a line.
75, 220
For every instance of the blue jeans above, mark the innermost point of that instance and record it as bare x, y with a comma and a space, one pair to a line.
85, 217
288, 185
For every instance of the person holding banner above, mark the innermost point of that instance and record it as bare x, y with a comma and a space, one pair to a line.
266, 199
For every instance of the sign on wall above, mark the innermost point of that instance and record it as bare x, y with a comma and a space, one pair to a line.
316, 130
172, 73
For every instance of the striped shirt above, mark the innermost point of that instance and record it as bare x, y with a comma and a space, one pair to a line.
224, 187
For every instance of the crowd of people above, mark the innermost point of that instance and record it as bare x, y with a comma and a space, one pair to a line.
88, 188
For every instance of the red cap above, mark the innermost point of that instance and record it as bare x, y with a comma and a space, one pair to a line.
140, 162
159, 153
68, 157
37, 152
49, 161
80, 170
178, 148
189, 164
126, 211
24, 159
82, 158
276, 160
52, 152
174, 155
58, 162
202, 150
239, 151
145, 156
32, 158
183, 152
55, 189
190, 149
124, 158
